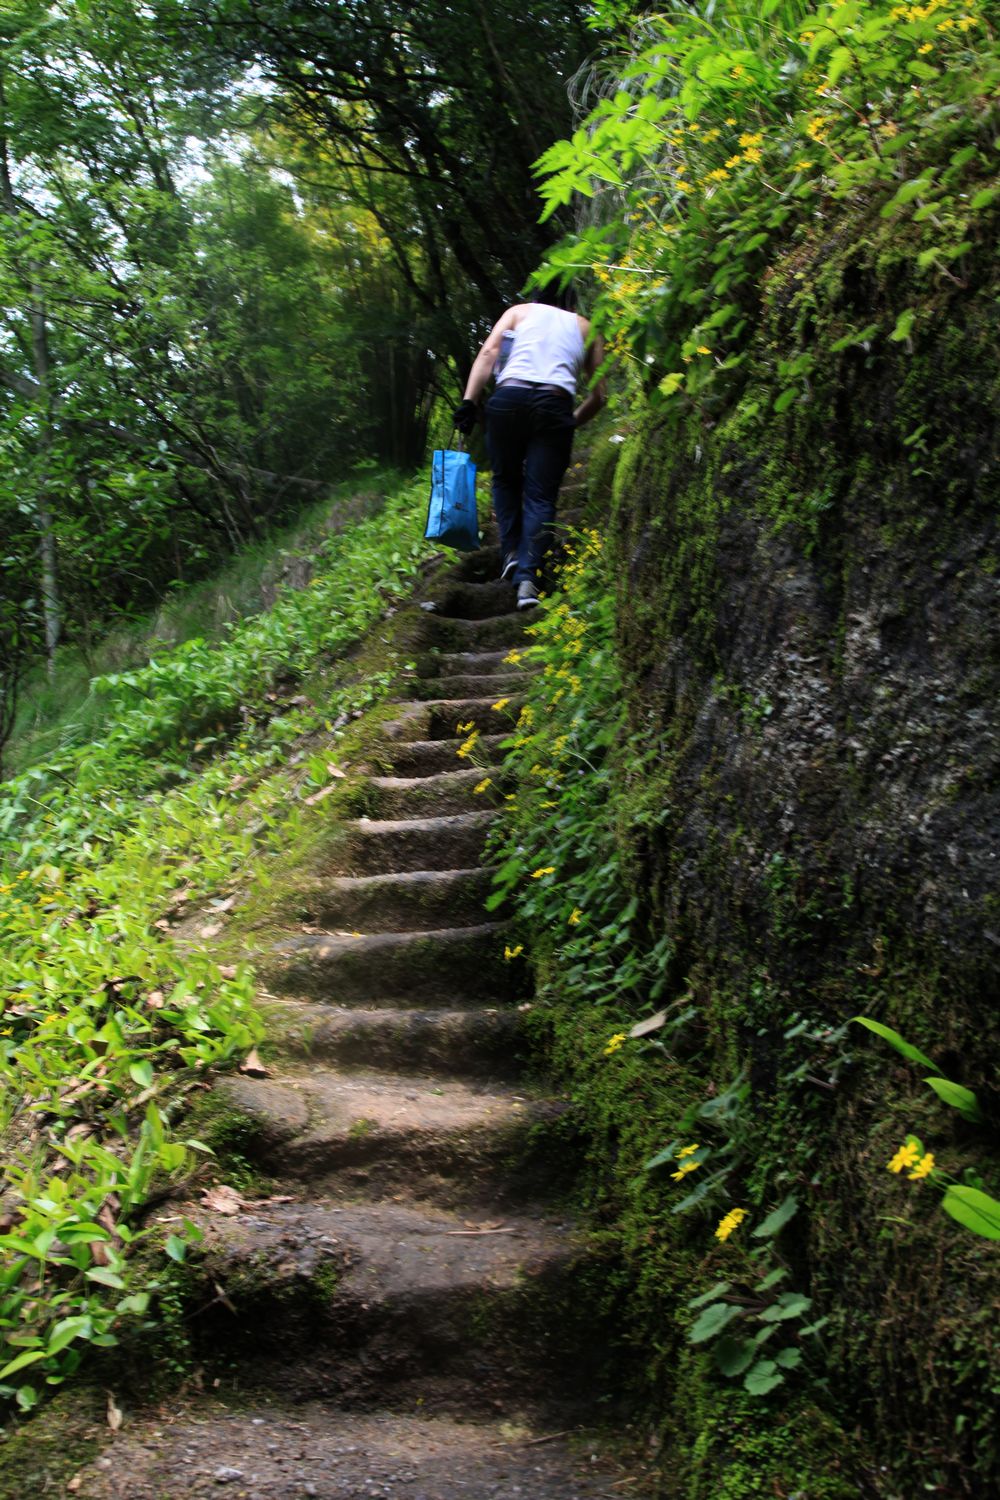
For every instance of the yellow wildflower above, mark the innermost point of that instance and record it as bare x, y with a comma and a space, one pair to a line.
545, 870
927, 47
574, 916
466, 748
718, 174
464, 728
906, 1156
486, 781
704, 349
513, 657
687, 1151
752, 154
500, 704
734, 161
923, 1168
683, 187
614, 1042
802, 165
510, 953
733, 1220
751, 138
684, 1168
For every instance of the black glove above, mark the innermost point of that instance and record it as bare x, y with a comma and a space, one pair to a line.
465, 416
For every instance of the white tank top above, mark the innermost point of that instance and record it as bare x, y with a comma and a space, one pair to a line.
548, 349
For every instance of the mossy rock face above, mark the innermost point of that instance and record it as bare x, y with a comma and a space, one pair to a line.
43, 1455
808, 626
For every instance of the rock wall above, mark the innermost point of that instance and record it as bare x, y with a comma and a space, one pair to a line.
809, 627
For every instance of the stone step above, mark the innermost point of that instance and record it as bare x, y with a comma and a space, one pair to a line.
432, 796
283, 1450
401, 901
468, 685
472, 1043
379, 847
466, 663
356, 1301
475, 601
429, 757
404, 968
451, 718
376, 1134
456, 634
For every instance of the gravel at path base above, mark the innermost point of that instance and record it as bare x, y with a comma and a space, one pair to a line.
313, 1453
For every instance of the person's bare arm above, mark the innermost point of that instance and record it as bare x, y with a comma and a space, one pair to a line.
595, 398
482, 365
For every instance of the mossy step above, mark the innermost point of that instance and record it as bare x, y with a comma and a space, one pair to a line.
397, 902
468, 685
349, 1301
451, 718
413, 968
456, 634
464, 663
428, 757
281, 1449
378, 846
447, 792
473, 1043
475, 601
376, 1134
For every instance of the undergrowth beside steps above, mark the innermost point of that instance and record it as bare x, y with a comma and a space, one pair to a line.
106, 1022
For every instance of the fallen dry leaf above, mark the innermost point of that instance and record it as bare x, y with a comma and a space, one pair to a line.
253, 1067
210, 930
155, 999
115, 1414
227, 971
222, 1199
74, 1484
335, 770
318, 796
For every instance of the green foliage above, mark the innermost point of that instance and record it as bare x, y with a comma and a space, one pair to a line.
965, 1202
105, 1024
732, 131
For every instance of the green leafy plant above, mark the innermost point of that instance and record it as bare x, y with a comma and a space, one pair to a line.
966, 1202
730, 130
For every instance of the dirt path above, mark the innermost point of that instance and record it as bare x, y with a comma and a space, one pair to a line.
408, 1323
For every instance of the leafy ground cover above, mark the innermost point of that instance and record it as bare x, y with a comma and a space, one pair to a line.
106, 1022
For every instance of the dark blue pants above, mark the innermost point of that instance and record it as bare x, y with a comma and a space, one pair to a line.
529, 435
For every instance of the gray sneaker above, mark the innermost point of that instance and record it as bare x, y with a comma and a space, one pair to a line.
527, 595
509, 566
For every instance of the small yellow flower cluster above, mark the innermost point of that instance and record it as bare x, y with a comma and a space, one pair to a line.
733, 1219
910, 1155
466, 748
685, 1162
544, 870
513, 658
614, 1042
515, 952
574, 916
486, 781
817, 127
500, 705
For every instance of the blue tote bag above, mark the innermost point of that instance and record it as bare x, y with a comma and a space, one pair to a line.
451, 517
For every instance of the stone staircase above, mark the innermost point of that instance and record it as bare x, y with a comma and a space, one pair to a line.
407, 1304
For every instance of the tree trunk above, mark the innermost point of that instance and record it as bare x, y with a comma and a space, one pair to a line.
43, 508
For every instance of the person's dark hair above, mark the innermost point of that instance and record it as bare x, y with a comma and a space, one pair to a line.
555, 296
